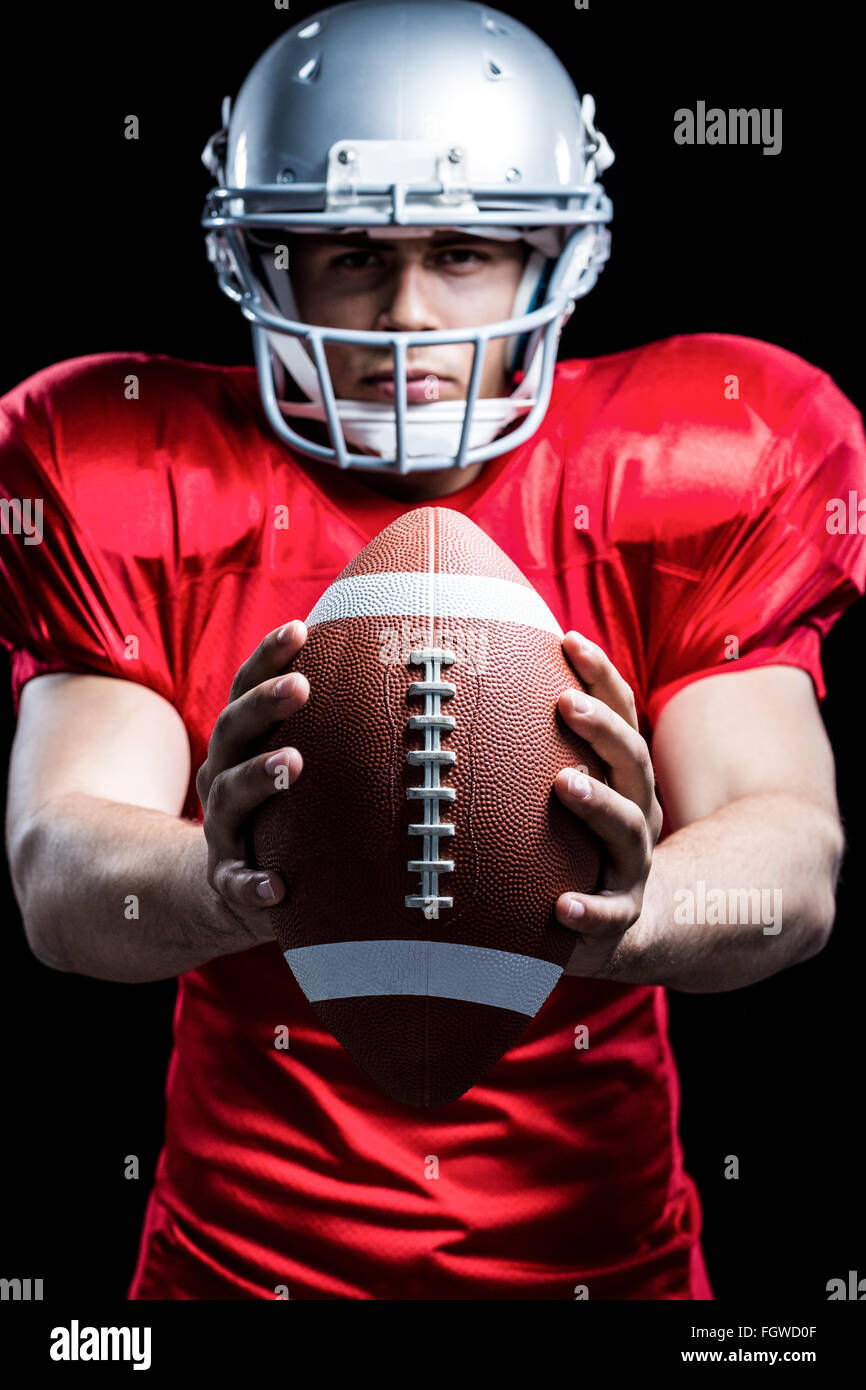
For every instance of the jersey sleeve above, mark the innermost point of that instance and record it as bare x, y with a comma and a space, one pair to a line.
67, 601
778, 573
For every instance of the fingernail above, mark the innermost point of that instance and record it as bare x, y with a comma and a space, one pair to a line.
575, 908
265, 891
285, 687
580, 703
579, 785
275, 761
285, 633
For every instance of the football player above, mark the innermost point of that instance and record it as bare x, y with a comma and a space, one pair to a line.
407, 251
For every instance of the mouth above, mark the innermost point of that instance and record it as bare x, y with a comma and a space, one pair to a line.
422, 386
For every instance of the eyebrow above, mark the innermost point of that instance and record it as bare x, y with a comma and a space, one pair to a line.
365, 243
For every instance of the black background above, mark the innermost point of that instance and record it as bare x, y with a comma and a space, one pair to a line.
102, 252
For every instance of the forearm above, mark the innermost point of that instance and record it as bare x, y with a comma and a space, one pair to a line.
735, 897
121, 893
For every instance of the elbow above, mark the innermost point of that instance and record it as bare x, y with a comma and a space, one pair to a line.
836, 846
820, 928
822, 913
39, 917
46, 948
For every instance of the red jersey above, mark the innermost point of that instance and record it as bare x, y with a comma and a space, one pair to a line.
677, 496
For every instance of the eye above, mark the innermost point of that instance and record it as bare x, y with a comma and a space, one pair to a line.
356, 260
462, 255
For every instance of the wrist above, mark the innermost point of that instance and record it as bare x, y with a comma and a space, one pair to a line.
639, 958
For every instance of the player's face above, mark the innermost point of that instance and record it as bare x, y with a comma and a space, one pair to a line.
445, 281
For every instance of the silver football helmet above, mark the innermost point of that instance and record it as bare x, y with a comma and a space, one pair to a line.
393, 118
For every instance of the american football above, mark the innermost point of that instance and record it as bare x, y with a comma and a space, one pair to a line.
424, 849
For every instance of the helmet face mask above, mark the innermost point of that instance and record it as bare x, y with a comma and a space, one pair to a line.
513, 155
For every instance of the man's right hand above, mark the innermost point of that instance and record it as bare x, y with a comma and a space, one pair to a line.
231, 785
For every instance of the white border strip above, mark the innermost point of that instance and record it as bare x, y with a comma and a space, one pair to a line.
410, 594
440, 969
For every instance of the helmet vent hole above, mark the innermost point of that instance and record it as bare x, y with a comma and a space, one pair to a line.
493, 69
495, 28
309, 31
310, 70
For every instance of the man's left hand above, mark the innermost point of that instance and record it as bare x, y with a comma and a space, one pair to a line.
625, 813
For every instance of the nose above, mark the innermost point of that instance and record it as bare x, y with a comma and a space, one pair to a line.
407, 306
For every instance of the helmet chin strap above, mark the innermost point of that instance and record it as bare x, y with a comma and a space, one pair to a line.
432, 428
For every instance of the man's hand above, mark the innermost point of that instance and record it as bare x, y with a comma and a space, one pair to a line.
625, 814
231, 785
